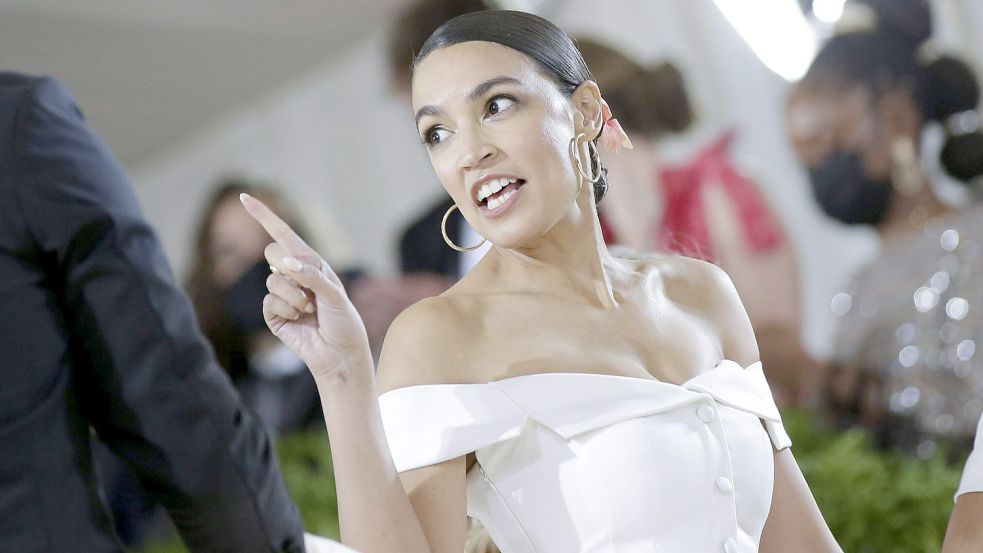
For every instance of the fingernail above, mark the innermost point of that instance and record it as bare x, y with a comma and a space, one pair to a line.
293, 264
309, 308
243, 196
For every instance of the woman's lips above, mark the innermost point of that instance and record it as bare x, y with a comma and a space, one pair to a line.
499, 204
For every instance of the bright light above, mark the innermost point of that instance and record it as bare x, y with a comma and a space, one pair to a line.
828, 11
776, 31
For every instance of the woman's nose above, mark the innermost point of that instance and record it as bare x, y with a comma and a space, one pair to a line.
476, 150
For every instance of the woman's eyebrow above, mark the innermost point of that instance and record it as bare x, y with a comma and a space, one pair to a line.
480, 90
427, 110
475, 93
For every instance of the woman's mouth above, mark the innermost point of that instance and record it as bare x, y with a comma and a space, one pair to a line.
496, 193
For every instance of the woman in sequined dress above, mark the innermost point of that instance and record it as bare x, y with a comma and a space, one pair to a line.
908, 328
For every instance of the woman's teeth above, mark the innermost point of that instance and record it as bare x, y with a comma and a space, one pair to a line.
493, 187
497, 201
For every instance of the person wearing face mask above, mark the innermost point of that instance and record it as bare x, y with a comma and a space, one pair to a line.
226, 283
905, 361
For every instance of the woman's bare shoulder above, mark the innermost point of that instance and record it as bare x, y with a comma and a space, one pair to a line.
424, 344
706, 290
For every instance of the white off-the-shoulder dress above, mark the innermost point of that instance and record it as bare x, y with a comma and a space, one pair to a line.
573, 462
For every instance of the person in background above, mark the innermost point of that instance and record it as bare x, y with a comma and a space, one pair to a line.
96, 336
965, 532
706, 208
226, 284
905, 362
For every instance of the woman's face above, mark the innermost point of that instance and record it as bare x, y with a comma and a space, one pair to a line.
490, 119
822, 121
236, 241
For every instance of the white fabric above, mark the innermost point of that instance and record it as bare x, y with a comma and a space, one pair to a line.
972, 480
571, 462
317, 544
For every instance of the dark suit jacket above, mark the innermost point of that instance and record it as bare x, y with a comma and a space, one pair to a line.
94, 333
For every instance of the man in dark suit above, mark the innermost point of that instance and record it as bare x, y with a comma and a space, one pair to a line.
95, 334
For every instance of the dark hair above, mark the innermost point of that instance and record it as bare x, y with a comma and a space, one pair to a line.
548, 46
412, 28
888, 56
651, 101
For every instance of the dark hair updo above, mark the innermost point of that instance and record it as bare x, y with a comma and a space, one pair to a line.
888, 55
650, 100
545, 43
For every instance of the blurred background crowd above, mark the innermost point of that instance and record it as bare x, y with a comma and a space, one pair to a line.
827, 154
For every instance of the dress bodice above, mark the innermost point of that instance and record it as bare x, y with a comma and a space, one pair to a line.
572, 462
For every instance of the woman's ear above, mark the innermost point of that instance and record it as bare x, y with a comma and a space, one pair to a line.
589, 116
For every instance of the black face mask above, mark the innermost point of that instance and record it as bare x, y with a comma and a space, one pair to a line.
243, 300
846, 193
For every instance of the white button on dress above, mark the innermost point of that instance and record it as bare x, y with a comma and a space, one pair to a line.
725, 485
705, 413
572, 462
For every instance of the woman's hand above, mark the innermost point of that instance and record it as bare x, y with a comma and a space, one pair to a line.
307, 307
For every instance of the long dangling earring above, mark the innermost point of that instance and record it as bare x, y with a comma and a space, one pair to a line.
447, 239
575, 153
906, 171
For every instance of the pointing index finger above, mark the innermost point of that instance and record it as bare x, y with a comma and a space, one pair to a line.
274, 225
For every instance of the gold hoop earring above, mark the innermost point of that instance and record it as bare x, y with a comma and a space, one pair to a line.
443, 231
575, 153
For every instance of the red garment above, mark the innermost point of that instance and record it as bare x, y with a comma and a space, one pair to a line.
684, 229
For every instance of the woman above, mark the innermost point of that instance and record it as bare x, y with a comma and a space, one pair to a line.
706, 208
226, 282
908, 328
569, 400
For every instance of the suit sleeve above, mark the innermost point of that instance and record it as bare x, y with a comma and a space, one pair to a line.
146, 378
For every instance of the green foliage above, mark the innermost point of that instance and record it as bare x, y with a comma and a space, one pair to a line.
873, 501
305, 460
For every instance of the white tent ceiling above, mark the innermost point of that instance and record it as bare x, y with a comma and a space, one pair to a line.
150, 72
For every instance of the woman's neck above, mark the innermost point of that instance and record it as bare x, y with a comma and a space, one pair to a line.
909, 213
570, 261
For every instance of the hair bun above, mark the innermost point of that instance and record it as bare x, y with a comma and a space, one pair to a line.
908, 20
668, 93
953, 88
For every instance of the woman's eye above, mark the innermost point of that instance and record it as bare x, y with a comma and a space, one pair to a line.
435, 135
499, 104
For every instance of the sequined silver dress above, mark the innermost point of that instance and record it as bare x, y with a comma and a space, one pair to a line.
913, 318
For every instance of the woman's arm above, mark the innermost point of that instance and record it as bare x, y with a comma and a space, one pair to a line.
308, 310
965, 532
794, 522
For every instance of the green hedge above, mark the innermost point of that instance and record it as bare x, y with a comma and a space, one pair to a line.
874, 502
